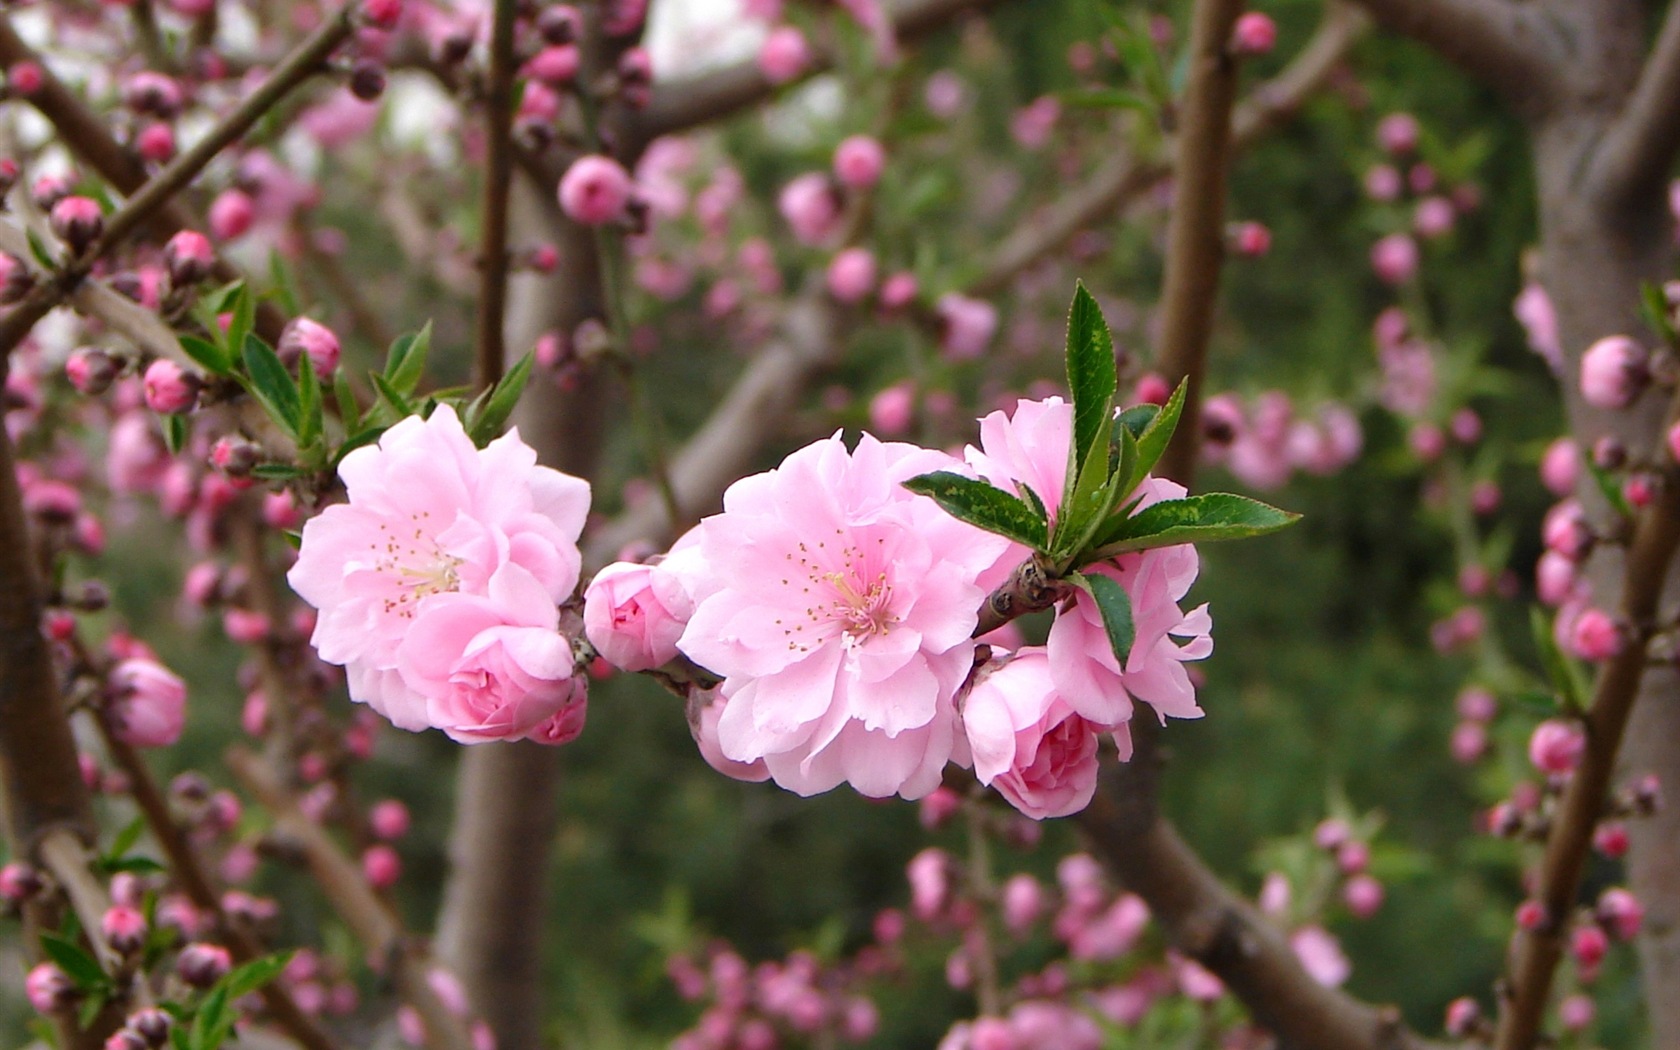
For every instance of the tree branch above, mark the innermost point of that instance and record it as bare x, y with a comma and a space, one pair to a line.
489, 351
370, 919
1638, 150
1502, 43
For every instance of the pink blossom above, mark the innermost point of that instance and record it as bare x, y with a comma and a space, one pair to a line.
1253, 34
1395, 258
858, 162
1560, 466
1027, 446
148, 703
1468, 742
784, 55
929, 874
851, 275
837, 607
1363, 895
595, 190
1614, 371
487, 534
170, 388
1321, 955
703, 725
893, 409
633, 615
1594, 635
48, 988
1621, 913
1027, 742
1383, 182
1111, 933
231, 214
1556, 746
811, 207
305, 336
1534, 311
1577, 1012
898, 290
1398, 133
1433, 217
1023, 903
389, 819
966, 326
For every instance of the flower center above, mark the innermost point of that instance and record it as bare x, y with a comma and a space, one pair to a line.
413, 560
860, 603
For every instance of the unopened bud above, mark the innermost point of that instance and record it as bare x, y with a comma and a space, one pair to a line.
169, 388
382, 14
19, 882
77, 221
1462, 1015
1609, 453
202, 965
1253, 34
367, 80
124, 929
15, 278
151, 1024
234, 456
559, 24
1614, 371
189, 257
49, 989
306, 336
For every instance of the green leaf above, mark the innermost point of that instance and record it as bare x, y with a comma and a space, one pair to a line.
1569, 689
983, 506
488, 423
356, 441
126, 838
349, 411
1136, 419
311, 420
136, 865
277, 471
284, 292
1110, 98
38, 249
271, 384
1152, 443
243, 980
391, 397
244, 309
1090, 373
1086, 502
176, 430
211, 357
1607, 485
83, 970
406, 361
1115, 605
1194, 519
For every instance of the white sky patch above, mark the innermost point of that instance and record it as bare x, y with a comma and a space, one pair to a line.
685, 37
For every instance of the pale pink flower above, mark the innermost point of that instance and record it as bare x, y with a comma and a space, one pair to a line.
837, 607
1028, 446
634, 614
430, 517
703, 724
1027, 742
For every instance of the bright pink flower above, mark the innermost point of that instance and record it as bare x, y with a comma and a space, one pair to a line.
1321, 955
784, 54
838, 606
432, 519
1556, 746
634, 614
148, 703
1614, 371
858, 162
1026, 447
1027, 742
703, 725
595, 190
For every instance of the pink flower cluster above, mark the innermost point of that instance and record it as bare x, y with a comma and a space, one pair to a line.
438, 583
839, 609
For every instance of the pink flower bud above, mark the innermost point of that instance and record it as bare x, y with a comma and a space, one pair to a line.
635, 77
1251, 239
859, 161
1640, 489
811, 207
77, 221
1353, 857
1595, 636
1469, 742
555, 65
304, 336
622, 18
1395, 259
124, 929
1565, 530
892, 410
1398, 133
18, 882
1383, 183
1434, 217
1588, 945
151, 1025
1462, 1015
1560, 467
25, 78
189, 258
633, 615
1023, 903
382, 14
851, 275
966, 326
1621, 913
783, 55
1556, 746
1614, 371
1576, 1012
202, 965
389, 819
1531, 915
930, 883
234, 456
898, 291
1253, 34
155, 143
231, 215
1476, 704
245, 626
1611, 839
170, 389
1363, 895
91, 370
559, 24
937, 809
595, 190
1331, 833
49, 989
381, 866
148, 703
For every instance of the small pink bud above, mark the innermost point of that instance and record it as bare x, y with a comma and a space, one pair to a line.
1468, 743
543, 258
559, 24
1398, 133
1611, 839
25, 78
1395, 259
939, 806
1595, 636
1427, 441
235, 457
148, 703
1383, 183
1253, 34
152, 94
1565, 530
1434, 217
1531, 914
151, 1025
124, 929
1477, 704
202, 965
966, 326
245, 626
1023, 903
382, 14
851, 275
389, 819
893, 410
1363, 895
1462, 1015
555, 65
784, 55
898, 290
189, 257
1250, 239
595, 190
1556, 746
49, 989
231, 214
77, 221
635, 77
1331, 833
1588, 945
622, 18
155, 143
1576, 1012
18, 882
1560, 466
1614, 371
381, 866
1353, 857
304, 336
1621, 913
859, 161
170, 389
1640, 489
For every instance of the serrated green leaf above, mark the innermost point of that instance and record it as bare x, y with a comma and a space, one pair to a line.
983, 506
1085, 503
1032, 499
242, 980
1569, 688
83, 970
1090, 373
210, 357
176, 430
1152, 443
1194, 519
1115, 606
1136, 419
270, 383
499, 406
406, 361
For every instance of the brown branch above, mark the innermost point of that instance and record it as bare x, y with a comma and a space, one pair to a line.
1537, 952
1638, 150
1124, 176
65, 855
1507, 45
683, 104
369, 918
493, 252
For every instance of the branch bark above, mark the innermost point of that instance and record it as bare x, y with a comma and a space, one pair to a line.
489, 349
1504, 44
1639, 148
